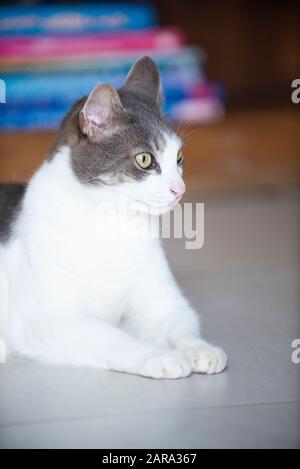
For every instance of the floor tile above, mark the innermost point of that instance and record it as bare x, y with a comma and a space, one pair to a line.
264, 426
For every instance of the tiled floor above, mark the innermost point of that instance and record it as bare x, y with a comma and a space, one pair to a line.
245, 282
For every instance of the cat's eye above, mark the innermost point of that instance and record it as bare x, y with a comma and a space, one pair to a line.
179, 157
144, 160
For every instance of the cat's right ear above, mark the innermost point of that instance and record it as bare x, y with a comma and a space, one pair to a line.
98, 115
143, 80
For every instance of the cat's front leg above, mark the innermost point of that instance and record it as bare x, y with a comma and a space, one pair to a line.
167, 319
89, 342
185, 335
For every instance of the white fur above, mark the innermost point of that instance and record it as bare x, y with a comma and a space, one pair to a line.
72, 294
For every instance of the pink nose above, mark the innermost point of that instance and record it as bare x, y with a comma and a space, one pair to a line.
176, 192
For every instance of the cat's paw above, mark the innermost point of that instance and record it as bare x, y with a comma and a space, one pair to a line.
207, 359
168, 365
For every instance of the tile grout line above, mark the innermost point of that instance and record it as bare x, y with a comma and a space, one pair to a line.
147, 413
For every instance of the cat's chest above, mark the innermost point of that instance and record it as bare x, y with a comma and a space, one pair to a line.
103, 273
84, 261
94, 267
101, 249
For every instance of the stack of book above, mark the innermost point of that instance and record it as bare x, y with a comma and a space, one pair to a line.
51, 56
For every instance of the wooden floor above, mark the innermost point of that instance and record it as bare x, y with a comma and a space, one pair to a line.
247, 149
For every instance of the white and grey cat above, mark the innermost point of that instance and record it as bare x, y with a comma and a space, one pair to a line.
71, 295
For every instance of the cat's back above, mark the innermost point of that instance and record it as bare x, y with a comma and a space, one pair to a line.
11, 197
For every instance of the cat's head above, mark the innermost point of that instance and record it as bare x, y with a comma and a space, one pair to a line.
123, 143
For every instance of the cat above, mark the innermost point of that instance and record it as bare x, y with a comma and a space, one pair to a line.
70, 295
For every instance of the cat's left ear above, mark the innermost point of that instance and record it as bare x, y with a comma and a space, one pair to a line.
101, 112
143, 80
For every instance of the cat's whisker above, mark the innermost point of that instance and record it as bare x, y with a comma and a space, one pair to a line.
179, 127
189, 134
181, 131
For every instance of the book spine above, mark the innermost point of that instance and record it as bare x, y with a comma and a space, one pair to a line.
191, 110
166, 60
77, 19
51, 89
74, 46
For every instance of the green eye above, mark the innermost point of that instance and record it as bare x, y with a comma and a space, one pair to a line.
179, 157
144, 160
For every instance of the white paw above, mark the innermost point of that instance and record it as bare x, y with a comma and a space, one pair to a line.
168, 365
207, 359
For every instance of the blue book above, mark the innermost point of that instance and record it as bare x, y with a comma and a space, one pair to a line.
84, 18
64, 88
49, 119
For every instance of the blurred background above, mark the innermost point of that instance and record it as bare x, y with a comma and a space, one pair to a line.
227, 69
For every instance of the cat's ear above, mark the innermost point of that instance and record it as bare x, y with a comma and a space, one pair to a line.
143, 80
98, 115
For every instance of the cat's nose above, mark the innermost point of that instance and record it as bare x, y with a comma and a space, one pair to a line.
177, 191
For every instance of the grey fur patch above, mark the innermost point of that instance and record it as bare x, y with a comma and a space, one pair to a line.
143, 81
139, 128
11, 196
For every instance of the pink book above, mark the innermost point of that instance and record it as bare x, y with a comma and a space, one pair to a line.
19, 48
